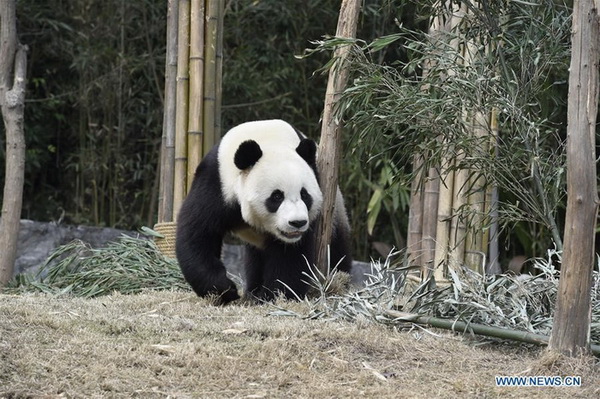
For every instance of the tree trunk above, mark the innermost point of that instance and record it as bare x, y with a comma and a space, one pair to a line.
13, 67
331, 138
571, 328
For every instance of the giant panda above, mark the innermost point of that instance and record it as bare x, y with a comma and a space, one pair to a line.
260, 183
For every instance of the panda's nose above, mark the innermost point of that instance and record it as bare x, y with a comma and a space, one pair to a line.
297, 223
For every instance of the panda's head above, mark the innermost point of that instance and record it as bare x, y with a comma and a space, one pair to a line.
277, 188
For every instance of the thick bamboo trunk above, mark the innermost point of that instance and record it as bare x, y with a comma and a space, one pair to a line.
476, 244
210, 72
430, 205
458, 230
415, 214
196, 90
181, 123
571, 328
331, 137
219, 71
444, 220
167, 161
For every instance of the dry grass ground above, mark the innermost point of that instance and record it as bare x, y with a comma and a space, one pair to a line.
174, 345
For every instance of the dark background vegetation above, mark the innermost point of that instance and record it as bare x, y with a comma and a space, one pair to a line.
95, 103
95, 94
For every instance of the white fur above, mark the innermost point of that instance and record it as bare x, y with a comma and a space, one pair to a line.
280, 168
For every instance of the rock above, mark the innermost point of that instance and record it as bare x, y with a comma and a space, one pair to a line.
38, 239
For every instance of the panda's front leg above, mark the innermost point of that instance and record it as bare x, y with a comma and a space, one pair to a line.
199, 259
278, 269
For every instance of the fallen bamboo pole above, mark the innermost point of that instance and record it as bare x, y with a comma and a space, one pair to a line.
479, 329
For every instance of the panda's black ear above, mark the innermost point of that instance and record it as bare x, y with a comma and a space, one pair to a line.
247, 154
307, 149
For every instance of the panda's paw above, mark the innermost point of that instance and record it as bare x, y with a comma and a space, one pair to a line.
262, 295
228, 296
225, 291
218, 288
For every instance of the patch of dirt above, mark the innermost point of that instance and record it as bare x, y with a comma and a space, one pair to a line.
172, 344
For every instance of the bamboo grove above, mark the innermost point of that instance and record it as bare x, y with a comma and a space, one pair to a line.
94, 121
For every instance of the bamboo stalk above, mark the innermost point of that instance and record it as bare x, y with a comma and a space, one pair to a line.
167, 162
219, 71
493, 266
475, 234
438, 25
179, 191
480, 329
196, 73
444, 218
458, 228
210, 68
415, 214
430, 204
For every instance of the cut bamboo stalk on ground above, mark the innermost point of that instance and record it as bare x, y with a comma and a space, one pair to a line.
480, 329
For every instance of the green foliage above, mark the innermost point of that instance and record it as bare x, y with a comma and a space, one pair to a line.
94, 109
129, 265
397, 111
94, 104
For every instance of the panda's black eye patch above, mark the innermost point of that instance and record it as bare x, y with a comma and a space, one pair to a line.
306, 198
275, 199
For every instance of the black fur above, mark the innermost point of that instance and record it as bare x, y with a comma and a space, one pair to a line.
247, 154
205, 219
307, 149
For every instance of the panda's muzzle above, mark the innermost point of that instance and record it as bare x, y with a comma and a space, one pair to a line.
298, 231
297, 223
